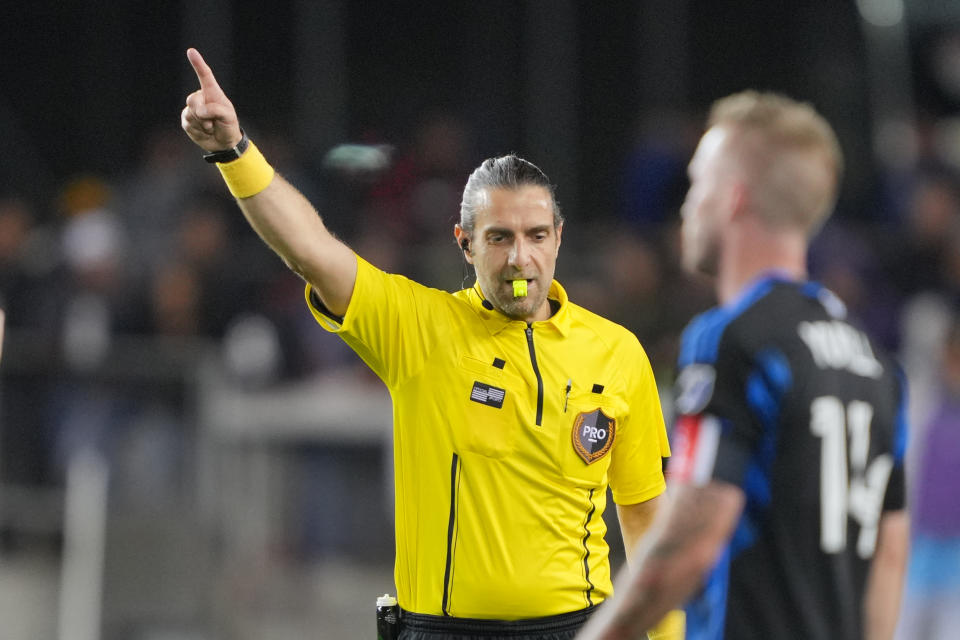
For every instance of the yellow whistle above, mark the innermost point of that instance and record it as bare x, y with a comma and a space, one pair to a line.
519, 288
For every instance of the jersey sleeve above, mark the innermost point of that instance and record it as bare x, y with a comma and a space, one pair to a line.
636, 469
715, 433
384, 322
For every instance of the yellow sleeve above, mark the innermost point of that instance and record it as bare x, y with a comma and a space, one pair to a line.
636, 470
384, 322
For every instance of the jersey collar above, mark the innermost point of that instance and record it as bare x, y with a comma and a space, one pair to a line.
760, 283
497, 322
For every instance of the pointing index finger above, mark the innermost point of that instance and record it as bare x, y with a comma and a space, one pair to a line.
208, 83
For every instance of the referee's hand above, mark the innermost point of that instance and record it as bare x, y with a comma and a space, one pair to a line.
209, 117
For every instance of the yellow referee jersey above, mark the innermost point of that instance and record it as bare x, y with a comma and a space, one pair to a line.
506, 436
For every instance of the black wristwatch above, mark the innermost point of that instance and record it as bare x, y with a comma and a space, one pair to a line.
231, 154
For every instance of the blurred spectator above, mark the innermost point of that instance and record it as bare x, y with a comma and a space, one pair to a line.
92, 287
632, 270
844, 260
298, 169
937, 511
684, 295
25, 262
175, 301
925, 319
208, 249
418, 200
150, 198
23, 266
654, 177
932, 605
917, 255
92, 299
304, 351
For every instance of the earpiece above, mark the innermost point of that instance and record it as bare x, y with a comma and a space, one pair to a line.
465, 244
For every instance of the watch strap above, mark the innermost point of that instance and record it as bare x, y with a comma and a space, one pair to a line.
231, 154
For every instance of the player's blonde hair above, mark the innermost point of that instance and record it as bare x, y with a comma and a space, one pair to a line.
787, 154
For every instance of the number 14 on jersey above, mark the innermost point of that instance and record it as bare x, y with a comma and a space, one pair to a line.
851, 485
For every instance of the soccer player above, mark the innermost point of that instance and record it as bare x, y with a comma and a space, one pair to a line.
786, 517
514, 408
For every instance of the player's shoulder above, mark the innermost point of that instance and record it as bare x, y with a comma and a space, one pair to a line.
814, 312
762, 314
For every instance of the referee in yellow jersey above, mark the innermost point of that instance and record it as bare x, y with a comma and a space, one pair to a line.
513, 408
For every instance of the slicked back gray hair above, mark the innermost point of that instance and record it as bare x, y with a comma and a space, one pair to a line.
505, 172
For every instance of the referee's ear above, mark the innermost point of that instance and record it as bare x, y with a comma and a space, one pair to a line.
463, 241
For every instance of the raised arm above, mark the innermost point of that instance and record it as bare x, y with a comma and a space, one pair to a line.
280, 214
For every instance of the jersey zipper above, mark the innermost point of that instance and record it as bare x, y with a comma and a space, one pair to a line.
536, 371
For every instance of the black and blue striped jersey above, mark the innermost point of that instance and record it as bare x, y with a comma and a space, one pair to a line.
780, 395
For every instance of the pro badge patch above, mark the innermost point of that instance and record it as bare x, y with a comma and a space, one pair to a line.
593, 433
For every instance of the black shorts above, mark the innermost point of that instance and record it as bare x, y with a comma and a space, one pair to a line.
418, 626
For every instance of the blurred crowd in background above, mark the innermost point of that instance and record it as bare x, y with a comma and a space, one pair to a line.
162, 260
164, 254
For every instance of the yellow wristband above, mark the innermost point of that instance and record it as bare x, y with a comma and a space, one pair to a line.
248, 175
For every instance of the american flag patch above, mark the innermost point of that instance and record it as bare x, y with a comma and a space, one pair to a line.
485, 394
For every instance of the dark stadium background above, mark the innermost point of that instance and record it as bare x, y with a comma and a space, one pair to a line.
85, 82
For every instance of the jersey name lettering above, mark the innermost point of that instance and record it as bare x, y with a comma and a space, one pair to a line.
837, 345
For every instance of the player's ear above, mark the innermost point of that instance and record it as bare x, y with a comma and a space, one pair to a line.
739, 196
